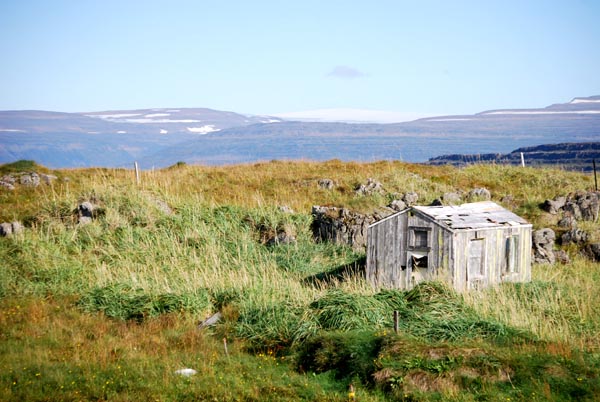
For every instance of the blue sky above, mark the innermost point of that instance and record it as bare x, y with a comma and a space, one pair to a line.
269, 57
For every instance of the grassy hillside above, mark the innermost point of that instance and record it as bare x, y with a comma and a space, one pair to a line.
109, 310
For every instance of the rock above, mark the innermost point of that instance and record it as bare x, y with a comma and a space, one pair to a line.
436, 203
285, 209
593, 251
568, 221
543, 245
5, 229
572, 209
576, 236
562, 256
211, 321
283, 238
554, 206
30, 179
370, 187
398, 205
341, 226
17, 227
326, 184
410, 199
10, 228
451, 199
85, 212
589, 205
186, 372
478, 194
47, 178
7, 185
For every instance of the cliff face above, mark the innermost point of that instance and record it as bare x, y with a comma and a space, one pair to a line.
572, 156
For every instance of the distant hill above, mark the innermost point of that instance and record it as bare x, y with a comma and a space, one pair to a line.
573, 156
161, 137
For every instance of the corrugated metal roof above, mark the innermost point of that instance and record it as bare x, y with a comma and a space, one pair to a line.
476, 215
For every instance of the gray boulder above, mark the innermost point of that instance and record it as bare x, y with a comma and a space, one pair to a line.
10, 228
85, 212
410, 198
568, 221
30, 179
479, 194
326, 184
398, 205
543, 246
451, 198
370, 187
555, 205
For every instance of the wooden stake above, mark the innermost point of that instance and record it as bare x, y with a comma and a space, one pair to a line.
396, 321
522, 160
137, 173
225, 346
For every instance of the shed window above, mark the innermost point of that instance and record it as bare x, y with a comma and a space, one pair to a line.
421, 239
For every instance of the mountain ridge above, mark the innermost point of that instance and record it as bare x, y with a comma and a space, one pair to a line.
160, 137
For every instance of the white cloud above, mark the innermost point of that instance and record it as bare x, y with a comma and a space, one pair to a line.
345, 72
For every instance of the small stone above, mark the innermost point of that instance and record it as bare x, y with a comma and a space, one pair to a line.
568, 221
186, 372
554, 206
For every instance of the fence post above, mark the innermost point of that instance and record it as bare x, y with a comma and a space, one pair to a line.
396, 321
137, 173
522, 160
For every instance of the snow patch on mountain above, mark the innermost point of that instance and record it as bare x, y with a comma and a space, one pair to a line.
157, 115
209, 128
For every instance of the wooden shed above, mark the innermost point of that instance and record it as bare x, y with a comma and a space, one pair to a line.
469, 246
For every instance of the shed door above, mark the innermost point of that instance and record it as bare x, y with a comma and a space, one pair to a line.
476, 264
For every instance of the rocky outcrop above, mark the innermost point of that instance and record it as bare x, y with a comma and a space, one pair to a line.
27, 179
543, 246
581, 205
575, 236
341, 226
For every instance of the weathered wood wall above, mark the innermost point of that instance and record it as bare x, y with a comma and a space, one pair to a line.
495, 256
386, 252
